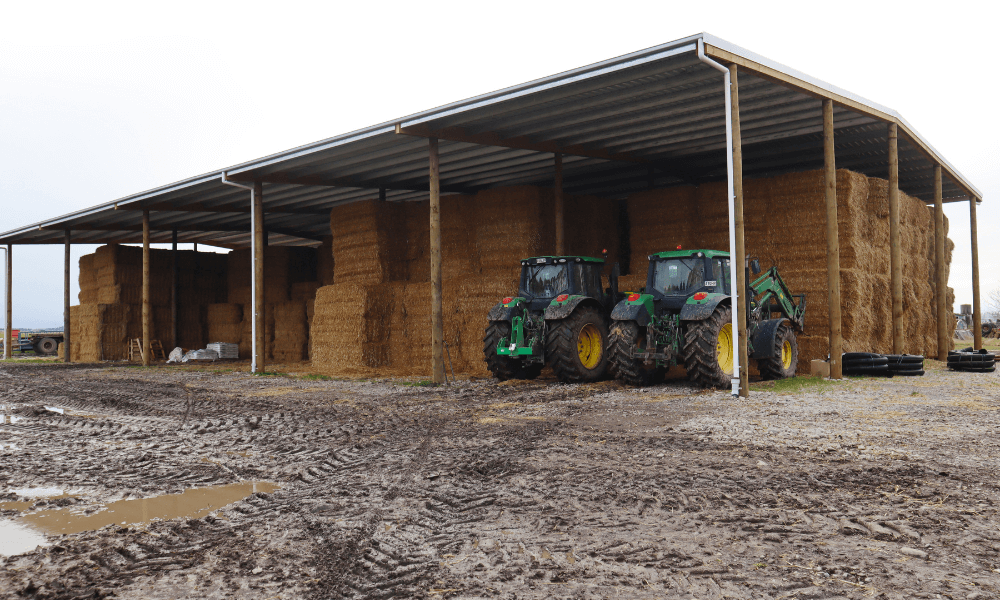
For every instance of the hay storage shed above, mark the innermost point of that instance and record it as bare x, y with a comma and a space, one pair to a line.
632, 154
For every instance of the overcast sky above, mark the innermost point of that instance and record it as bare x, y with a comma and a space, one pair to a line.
100, 100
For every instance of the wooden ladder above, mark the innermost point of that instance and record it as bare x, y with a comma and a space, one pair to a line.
135, 350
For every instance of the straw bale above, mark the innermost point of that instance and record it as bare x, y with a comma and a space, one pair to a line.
224, 323
291, 333
592, 227
351, 328
368, 242
88, 280
246, 331
512, 223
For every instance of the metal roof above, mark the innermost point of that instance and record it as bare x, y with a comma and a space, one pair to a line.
650, 118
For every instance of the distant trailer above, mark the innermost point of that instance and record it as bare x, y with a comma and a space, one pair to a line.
43, 343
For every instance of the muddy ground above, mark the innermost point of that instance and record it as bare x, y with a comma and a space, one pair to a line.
854, 489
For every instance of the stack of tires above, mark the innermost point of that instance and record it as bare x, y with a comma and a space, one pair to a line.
882, 365
970, 360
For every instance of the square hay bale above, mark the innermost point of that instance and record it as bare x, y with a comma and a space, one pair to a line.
351, 328
368, 242
291, 332
512, 223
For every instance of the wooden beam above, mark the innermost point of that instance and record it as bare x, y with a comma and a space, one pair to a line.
206, 229
977, 315
741, 253
67, 268
895, 248
147, 309
437, 312
940, 277
832, 243
222, 208
350, 182
557, 189
489, 138
257, 258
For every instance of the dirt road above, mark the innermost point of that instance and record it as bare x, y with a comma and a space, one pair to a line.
855, 489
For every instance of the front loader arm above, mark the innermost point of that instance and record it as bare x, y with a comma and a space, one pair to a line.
776, 297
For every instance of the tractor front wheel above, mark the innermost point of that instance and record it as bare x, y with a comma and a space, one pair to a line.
708, 349
625, 337
784, 359
577, 346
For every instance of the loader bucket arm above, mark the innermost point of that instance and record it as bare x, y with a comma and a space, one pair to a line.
775, 295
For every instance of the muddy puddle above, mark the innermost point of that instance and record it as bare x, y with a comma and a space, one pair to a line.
25, 533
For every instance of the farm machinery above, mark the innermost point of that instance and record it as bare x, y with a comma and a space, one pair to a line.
559, 317
684, 316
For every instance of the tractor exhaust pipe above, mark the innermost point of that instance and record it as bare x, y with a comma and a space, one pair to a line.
736, 292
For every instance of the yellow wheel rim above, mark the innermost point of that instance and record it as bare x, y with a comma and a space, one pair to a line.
786, 354
724, 349
590, 346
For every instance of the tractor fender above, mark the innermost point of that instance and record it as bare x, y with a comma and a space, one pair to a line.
703, 310
556, 311
505, 312
625, 311
763, 338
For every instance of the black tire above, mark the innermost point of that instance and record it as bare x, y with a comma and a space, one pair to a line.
46, 346
502, 367
564, 342
987, 329
775, 367
701, 349
866, 362
846, 356
624, 337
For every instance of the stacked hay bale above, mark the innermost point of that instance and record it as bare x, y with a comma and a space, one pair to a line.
291, 332
224, 323
784, 224
351, 327
88, 280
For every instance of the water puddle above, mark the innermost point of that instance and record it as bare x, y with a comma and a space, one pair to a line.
49, 493
25, 533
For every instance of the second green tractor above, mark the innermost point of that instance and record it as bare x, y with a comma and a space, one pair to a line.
684, 316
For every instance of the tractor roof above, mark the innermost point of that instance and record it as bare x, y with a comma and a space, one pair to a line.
549, 260
689, 253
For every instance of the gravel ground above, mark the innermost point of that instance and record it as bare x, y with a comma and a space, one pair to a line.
854, 489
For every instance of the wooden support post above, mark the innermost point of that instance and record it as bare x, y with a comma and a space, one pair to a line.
940, 279
67, 355
977, 316
173, 289
147, 312
437, 312
259, 310
741, 254
895, 248
8, 319
832, 243
557, 189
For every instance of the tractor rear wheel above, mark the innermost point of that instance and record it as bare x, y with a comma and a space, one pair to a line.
625, 337
46, 346
504, 367
708, 349
784, 359
577, 346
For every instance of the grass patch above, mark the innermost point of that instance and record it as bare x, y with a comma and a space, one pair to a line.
33, 361
315, 377
421, 383
794, 385
271, 374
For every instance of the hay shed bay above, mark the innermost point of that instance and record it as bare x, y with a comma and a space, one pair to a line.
338, 247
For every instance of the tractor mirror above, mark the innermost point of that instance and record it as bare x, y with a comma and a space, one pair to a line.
755, 266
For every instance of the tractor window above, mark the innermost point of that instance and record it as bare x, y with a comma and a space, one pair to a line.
589, 278
679, 276
545, 281
720, 268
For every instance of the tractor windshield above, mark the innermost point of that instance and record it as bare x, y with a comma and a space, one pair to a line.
679, 276
545, 281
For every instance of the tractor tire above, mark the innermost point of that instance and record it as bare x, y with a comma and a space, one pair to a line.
785, 359
987, 329
502, 367
708, 349
577, 347
46, 346
625, 336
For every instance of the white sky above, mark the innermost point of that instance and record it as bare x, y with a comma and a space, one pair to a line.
99, 100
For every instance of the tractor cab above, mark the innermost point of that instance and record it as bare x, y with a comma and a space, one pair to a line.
675, 276
546, 278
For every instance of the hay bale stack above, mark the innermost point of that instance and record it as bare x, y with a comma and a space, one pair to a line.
351, 328
283, 266
591, 227
291, 333
246, 331
88, 280
368, 242
510, 224
660, 220
224, 323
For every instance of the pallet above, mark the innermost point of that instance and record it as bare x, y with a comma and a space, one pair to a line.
135, 350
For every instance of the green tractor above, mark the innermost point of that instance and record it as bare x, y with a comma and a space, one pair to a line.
559, 317
685, 315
